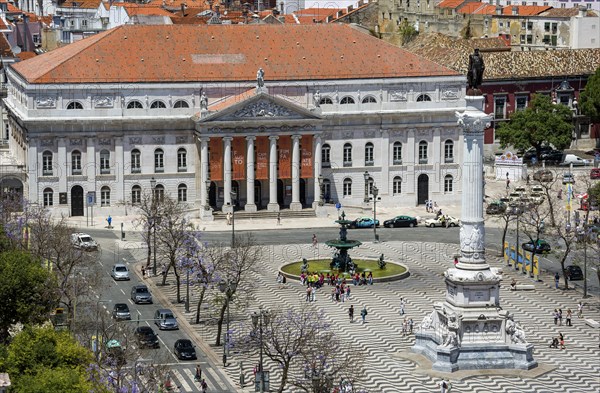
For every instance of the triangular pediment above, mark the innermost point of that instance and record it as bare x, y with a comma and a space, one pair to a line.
262, 107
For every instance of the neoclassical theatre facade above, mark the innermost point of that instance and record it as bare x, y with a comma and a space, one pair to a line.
257, 116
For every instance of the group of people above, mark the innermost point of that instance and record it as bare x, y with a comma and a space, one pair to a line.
431, 206
558, 317
558, 340
363, 314
198, 378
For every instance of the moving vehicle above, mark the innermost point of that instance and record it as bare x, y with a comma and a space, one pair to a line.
165, 319
442, 221
553, 157
568, 178
543, 175
121, 311
496, 207
400, 221
574, 272
146, 338
595, 173
542, 247
363, 222
119, 272
83, 241
574, 160
141, 294
184, 349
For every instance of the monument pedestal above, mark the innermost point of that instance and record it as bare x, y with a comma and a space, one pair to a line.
250, 208
206, 214
273, 207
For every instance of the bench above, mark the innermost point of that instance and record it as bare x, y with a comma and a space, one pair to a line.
524, 287
592, 323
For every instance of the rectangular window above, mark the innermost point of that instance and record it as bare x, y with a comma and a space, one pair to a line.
136, 162
347, 156
553, 40
521, 103
449, 152
105, 198
76, 164
347, 188
422, 153
48, 198
547, 26
369, 155
104, 163
136, 196
500, 107
397, 154
522, 39
84, 23
529, 25
448, 184
182, 194
326, 156
181, 161
159, 162
47, 165
529, 39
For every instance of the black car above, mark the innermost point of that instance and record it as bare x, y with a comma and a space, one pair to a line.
401, 221
184, 349
496, 208
146, 337
121, 311
542, 247
574, 273
553, 157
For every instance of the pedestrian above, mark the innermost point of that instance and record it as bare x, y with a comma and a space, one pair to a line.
527, 178
351, 313
315, 242
308, 292
410, 326
556, 279
513, 285
370, 278
559, 317
404, 327
580, 310
427, 208
401, 306
507, 182
561, 340
143, 272
363, 314
278, 218
569, 314
228, 218
198, 376
455, 260
559, 196
555, 315
347, 292
435, 205
109, 220
279, 279
444, 386
554, 343
204, 386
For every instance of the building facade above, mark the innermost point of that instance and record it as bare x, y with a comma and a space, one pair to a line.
184, 106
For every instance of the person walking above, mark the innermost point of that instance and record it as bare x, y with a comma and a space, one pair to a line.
351, 313
444, 386
204, 386
401, 306
143, 272
198, 376
580, 310
507, 182
315, 242
559, 317
404, 327
555, 315
347, 292
308, 293
561, 340
410, 326
363, 314
556, 279
569, 314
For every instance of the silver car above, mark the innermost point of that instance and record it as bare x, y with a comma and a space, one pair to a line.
119, 272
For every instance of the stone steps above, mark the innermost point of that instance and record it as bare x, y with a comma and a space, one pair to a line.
263, 214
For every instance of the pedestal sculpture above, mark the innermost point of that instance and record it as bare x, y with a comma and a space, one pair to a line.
469, 330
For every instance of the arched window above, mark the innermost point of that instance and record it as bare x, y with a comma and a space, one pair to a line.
369, 186
159, 160
397, 186
181, 104
448, 151
181, 160
48, 197
135, 104
347, 100
423, 97
136, 161
104, 162
347, 189
326, 155
182, 193
347, 155
76, 162
47, 163
369, 100
159, 192
105, 196
136, 195
157, 105
326, 101
397, 153
369, 159
448, 183
423, 152
74, 105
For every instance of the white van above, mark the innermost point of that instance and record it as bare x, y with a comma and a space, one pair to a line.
576, 161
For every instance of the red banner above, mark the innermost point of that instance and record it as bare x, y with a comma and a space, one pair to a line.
306, 159
216, 158
262, 158
285, 157
239, 158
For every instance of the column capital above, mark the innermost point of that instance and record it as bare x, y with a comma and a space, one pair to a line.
251, 138
273, 137
204, 139
227, 138
297, 136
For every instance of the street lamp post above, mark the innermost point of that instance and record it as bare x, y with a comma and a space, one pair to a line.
233, 198
227, 287
366, 176
153, 187
257, 320
375, 193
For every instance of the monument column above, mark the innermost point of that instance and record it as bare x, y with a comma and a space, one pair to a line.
273, 206
250, 205
296, 205
227, 172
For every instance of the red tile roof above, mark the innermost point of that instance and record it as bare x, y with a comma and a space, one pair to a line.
26, 55
142, 9
475, 8
318, 14
450, 3
226, 53
524, 10
226, 103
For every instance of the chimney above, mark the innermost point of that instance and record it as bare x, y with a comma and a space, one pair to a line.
515, 10
182, 9
498, 10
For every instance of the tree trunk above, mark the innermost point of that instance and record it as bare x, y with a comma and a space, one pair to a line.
503, 238
284, 376
178, 283
164, 279
148, 235
220, 324
562, 267
200, 304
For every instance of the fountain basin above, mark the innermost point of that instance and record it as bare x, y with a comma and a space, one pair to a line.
394, 271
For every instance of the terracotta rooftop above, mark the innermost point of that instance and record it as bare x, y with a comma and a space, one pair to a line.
476, 8
450, 3
566, 12
142, 9
26, 55
454, 53
226, 103
318, 14
524, 10
189, 53
5, 49
87, 4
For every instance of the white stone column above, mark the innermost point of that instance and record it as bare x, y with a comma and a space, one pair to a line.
317, 169
385, 164
62, 171
227, 173
472, 232
250, 175
438, 161
119, 172
273, 206
33, 169
296, 205
90, 164
205, 209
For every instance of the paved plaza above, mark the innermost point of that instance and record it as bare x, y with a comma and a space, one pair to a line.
390, 364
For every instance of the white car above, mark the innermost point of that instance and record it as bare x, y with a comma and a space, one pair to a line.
442, 221
84, 241
119, 272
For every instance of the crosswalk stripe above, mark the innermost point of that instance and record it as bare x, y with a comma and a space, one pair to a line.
192, 374
182, 381
214, 377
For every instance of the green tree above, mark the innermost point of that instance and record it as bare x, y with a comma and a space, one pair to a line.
590, 98
26, 289
542, 123
407, 32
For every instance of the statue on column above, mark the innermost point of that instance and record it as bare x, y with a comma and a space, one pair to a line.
317, 99
476, 69
260, 78
203, 101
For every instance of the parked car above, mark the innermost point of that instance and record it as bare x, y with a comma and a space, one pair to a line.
521, 191
441, 221
516, 208
496, 207
543, 175
568, 178
165, 319
146, 338
537, 198
364, 222
119, 272
553, 157
542, 246
574, 160
141, 294
538, 189
400, 221
184, 349
121, 311
595, 173
574, 273
83, 241
514, 197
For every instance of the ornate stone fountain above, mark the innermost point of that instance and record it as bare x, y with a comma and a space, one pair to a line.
341, 260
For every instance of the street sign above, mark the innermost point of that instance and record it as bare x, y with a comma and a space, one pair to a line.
338, 206
91, 198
